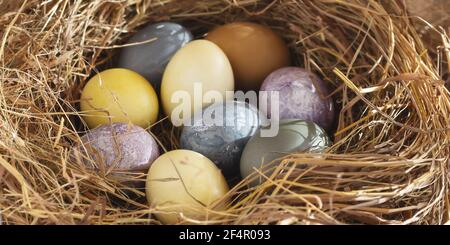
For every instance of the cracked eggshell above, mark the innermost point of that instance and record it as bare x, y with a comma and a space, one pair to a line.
223, 141
150, 58
184, 182
293, 136
118, 146
119, 95
302, 95
198, 68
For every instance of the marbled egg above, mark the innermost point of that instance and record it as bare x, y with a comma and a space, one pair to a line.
293, 136
183, 182
302, 95
222, 140
119, 146
197, 69
254, 51
119, 95
149, 58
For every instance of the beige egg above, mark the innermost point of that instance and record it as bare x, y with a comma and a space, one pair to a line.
184, 183
200, 67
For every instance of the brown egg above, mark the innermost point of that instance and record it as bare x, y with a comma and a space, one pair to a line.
254, 51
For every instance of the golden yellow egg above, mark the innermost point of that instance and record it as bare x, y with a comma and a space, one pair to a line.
197, 69
253, 50
184, 183
119, 95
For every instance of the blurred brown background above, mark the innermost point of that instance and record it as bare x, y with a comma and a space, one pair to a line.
436, 12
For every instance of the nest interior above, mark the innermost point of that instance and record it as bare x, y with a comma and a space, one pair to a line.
388, 164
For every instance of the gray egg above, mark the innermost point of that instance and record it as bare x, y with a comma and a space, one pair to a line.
293, 136
150, 59
222, 142
118, 146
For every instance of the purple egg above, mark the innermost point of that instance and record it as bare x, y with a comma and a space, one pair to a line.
119, 146
301, 96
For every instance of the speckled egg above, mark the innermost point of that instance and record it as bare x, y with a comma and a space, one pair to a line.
183, 183
119, 95
302, 95
149, 58
293, 136
119, 146
254, 51
223, 139
197, 69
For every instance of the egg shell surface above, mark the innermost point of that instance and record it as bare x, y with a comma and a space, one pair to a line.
254, 51
302, 95
183, 181
196, 69
119, 95
149, 58
293, 136
223, 140
119, 146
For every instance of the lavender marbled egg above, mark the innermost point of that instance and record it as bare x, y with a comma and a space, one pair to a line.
301, 96
223, 144
119, 146
150, 59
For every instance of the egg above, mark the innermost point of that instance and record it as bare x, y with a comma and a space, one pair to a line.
199, 68
253, 50
149, 58
302, 95
183, 182
119, 95
119, 146
223, 141
293, 136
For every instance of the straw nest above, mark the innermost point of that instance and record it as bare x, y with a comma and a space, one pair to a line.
388, 165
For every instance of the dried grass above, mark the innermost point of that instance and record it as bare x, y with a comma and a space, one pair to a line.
389, 163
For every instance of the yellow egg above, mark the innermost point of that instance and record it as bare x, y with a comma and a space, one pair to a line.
119, 95
196, 69
183, 182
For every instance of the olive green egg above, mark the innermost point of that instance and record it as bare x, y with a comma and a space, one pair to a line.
293, 136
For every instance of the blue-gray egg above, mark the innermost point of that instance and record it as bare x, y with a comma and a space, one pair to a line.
222, 140
149, 58
293, 136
